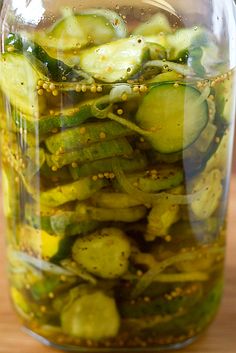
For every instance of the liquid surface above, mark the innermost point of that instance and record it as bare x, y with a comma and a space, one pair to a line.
116, 142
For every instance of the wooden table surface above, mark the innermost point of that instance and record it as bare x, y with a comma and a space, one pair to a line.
221, 337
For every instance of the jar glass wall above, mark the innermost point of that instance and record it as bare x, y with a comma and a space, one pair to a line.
116, 137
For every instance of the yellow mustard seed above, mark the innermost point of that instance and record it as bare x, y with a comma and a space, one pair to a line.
94, 177
52, 87
93, 88
51, 112
84, 88
55, 92
54, 168
101, 176
40, 92
99, 89
51, 295
143, 88
74, 165
45, 86
78, 88
136, 89
120, 111
40, 83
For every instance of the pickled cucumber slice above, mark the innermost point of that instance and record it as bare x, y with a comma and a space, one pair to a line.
126, 214
116, 61
185, 39
58, 221
78, 190
162, 177
85, 135
96, 151
57, 70
175, 114
161, 305
90, 27
206, 204
160, 219
20, 88
156, 24
40, 243
136, 162
104, 253
225, 98
47, 123
92, 316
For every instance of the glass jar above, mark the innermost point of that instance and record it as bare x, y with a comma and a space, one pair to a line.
117, 123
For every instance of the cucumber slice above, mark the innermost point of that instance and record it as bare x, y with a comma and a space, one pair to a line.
196, 47
127, 215
40, 243
220, 158
169, 76
156, 24
59, 222
20, 88
92, 316
62, 175
137, 162
187, 298
90, 27
206, 204
57, 70
78, 190
96, 151
184, 39
160, 220
114, 200
116, 61
156, 51
225, 98
162, 177
175, 114
85, 135
60, 119
109, 246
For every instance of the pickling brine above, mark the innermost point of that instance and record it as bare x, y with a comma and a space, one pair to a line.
116, 139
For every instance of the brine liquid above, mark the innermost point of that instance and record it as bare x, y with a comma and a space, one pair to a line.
169, 210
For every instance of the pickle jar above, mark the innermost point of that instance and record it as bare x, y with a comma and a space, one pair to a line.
117, 123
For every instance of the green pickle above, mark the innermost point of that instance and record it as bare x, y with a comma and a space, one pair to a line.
115, 139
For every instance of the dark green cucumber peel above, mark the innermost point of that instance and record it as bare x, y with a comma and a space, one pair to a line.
48, 123
197, 317
85, 135
160, 305
50, 284
58, 71
165, 177
96, 151
60, 175
137, 162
